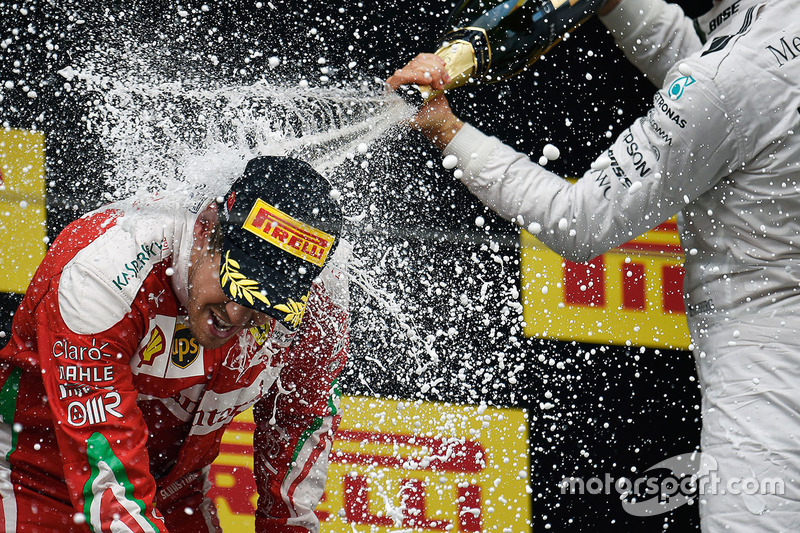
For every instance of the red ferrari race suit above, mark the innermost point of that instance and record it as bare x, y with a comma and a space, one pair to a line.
111, 412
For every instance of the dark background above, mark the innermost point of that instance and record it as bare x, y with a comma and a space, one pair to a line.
612, 411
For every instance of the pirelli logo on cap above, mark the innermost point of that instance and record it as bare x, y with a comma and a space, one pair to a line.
293, 236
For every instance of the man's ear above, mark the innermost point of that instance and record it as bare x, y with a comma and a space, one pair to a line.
205, 225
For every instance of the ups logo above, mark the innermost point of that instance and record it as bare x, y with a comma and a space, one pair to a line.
184, 347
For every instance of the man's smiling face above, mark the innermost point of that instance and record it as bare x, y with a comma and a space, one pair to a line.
213, 318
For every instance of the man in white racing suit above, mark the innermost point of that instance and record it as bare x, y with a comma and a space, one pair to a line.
719, 149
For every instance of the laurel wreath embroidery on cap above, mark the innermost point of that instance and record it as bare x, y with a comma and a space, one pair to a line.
239, 282
294, 310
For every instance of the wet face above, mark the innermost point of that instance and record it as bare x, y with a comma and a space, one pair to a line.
213, 318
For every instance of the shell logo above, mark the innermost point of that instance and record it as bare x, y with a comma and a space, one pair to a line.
155, 347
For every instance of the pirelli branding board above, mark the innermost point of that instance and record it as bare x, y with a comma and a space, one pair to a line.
23, 217
632, 295
297, 238
401, 466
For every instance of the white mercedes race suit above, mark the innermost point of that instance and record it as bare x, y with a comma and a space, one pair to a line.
721, 149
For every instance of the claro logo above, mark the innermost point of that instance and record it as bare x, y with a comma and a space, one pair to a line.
74, 352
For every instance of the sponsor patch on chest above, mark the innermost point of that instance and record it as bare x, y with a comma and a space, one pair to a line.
169, 351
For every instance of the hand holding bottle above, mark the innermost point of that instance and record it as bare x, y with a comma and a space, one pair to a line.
435, 119
489, 41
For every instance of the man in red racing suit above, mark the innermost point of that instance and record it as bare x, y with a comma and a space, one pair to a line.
112, 408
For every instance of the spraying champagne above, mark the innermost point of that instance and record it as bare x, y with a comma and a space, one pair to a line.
492, 40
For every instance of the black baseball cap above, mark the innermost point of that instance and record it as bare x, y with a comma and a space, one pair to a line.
280, 226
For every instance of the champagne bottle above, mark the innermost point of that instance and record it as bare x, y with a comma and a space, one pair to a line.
492, 40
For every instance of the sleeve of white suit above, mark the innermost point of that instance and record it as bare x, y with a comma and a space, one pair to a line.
662, 162
653, 35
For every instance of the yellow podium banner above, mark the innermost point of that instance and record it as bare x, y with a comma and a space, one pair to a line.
401, 466
23, 214
632, 295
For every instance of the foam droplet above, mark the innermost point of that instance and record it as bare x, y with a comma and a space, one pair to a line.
602, 163
450, 161
551, 152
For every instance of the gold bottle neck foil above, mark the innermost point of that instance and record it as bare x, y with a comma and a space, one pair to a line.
466, 55
459, 59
